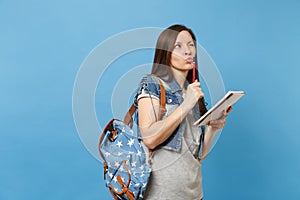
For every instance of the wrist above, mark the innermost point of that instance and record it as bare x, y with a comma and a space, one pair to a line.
186, 106
211, 130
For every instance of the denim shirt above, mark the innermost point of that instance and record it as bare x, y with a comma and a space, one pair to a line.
174, 97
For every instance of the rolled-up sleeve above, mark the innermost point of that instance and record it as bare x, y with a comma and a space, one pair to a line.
149, 86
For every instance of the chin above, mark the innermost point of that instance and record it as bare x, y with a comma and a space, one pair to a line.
188, 66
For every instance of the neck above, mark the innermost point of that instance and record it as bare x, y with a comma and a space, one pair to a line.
180, 76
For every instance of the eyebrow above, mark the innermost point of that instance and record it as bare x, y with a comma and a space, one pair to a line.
187, 42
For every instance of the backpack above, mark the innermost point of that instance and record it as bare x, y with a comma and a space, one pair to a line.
127, 167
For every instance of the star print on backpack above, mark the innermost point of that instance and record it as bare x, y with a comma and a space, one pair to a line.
126, 168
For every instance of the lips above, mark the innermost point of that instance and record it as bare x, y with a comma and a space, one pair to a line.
189, 60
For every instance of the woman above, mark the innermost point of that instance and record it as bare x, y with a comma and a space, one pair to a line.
176, 143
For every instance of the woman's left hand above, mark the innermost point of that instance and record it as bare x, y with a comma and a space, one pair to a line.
219, 123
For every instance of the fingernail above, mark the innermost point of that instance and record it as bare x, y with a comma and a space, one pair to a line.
229, 109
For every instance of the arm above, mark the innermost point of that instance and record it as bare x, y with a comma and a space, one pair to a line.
156, 132
212, 128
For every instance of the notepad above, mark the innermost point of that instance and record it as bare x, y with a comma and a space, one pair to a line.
230, 98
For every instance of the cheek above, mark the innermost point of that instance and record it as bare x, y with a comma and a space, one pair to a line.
175, 59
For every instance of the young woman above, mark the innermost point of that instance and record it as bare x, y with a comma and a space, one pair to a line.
177, 144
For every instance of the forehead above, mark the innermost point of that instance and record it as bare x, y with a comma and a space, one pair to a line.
184, 36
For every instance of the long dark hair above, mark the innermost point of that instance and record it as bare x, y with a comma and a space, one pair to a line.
162, 57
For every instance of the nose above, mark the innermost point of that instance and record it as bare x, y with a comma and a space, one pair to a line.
187, 51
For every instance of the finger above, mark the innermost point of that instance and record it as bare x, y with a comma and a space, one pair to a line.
199, 92
224, 114
215, 126
195, 84
198, 89
218, 122
222, 117
229, 109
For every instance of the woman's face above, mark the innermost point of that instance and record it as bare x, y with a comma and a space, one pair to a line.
183, 53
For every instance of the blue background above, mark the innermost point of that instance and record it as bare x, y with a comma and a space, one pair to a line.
255, 45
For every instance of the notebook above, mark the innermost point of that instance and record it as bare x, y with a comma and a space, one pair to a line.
230, 98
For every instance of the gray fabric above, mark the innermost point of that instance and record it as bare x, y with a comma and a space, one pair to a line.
177, 175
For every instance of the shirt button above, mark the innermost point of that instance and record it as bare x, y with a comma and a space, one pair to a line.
170, 100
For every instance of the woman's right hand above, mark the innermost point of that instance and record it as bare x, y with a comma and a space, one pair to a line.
193, 94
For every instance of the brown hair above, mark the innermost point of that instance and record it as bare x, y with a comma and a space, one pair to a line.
162, 57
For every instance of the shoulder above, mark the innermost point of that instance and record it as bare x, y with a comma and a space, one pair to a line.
149, 79
149, 85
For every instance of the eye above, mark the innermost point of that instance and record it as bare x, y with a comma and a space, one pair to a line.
177, 46
191, 45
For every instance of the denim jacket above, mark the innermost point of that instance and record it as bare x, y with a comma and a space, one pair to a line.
150, 85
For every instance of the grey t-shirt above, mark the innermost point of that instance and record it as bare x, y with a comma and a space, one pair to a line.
177, 176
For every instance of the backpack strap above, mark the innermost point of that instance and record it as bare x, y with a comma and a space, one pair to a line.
108, 127
128, 117
129, 194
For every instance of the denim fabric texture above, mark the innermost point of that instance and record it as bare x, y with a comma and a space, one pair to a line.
125, 158
150, 84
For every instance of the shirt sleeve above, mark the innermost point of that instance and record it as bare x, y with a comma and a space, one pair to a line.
148, 87
145, 93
